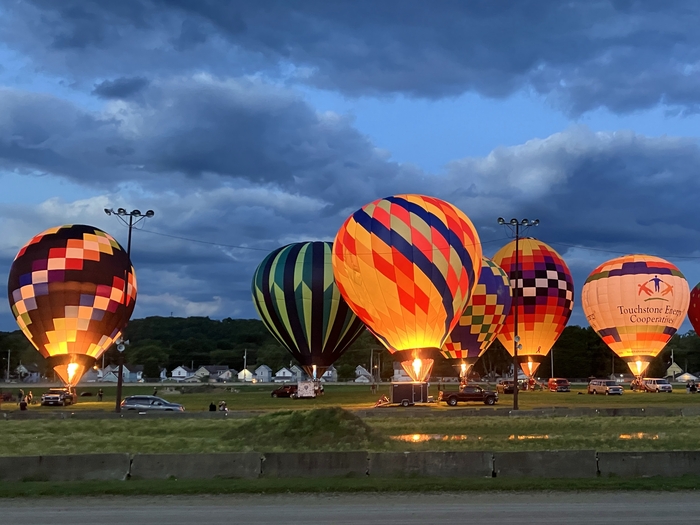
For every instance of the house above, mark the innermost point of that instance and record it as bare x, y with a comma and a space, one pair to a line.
362, 375
330, 375
28, 373
132, 373
213, 373
110, 377
673, 370
246, 375
163, 374
283, 375
181, 373
91, 375
263, 374
400, 374
298, 372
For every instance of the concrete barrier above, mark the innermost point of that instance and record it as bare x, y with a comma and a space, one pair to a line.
546, 464
314, 464
196, 466
431, 464
77, 467
647, 464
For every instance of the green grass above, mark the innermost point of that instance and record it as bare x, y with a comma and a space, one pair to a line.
257, 397
346, 485
306, 432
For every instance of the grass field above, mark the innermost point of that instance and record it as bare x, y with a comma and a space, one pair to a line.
257, 397
298, 433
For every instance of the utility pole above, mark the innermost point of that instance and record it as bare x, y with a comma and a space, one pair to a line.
245, 363
514, 226
551, 362
120, 214
7, 377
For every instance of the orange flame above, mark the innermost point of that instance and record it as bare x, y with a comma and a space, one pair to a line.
418, 369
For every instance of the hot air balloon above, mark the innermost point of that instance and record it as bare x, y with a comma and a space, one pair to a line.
636, 303
544, 299
72, 290
406, 265
694, 308
483, 318
298, 301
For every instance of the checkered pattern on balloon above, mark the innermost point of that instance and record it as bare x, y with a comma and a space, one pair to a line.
72, 290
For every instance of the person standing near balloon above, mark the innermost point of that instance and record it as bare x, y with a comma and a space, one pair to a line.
406, 265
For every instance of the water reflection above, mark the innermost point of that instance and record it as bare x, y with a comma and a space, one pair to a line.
639, 435
420, 438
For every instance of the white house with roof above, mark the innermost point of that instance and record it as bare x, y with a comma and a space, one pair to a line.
283, 375
163, 374
362, 375
400, 374
213, 373
330, 375
299, 374
263, 374
132, 373
246, 375
181, 373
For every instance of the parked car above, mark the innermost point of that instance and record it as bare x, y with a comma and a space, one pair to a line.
468, 393
604, 386
558, 384
505, 386
58, 396
284, 391
150, 403
657, 385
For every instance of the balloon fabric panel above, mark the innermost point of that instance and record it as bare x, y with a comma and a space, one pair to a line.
296, 297
545, 296
406, 265
66, 290
694, 308
636, 303
484, 316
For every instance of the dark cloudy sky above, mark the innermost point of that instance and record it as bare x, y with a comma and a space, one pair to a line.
247, 125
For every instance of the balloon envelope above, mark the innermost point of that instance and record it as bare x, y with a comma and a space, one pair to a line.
296, 297
406, 265
483, 318
545, 299
67, 293
636, 303
694, 308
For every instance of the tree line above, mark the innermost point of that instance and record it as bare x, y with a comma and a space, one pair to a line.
168, 342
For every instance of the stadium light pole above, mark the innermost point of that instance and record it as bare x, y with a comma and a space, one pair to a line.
515, 226
120, 214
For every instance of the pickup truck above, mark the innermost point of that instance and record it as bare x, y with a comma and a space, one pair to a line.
61, 396
468, 393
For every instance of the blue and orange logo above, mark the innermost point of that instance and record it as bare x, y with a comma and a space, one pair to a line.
655, 289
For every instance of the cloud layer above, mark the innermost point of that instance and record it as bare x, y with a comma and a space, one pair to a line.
622, 55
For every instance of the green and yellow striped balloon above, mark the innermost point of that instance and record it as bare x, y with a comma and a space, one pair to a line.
296, 297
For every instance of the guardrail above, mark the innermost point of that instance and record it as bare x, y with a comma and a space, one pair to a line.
250, 465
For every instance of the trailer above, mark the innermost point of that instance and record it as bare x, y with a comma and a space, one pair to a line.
408, 394
305, 390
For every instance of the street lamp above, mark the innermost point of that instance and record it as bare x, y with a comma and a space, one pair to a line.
120, 214
515, 226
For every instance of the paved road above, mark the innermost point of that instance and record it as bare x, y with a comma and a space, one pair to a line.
590, 508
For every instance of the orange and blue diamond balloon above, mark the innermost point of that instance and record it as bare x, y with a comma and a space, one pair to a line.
297, 299
407, 265
483, 318
636, 303
545, 299
72, 290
